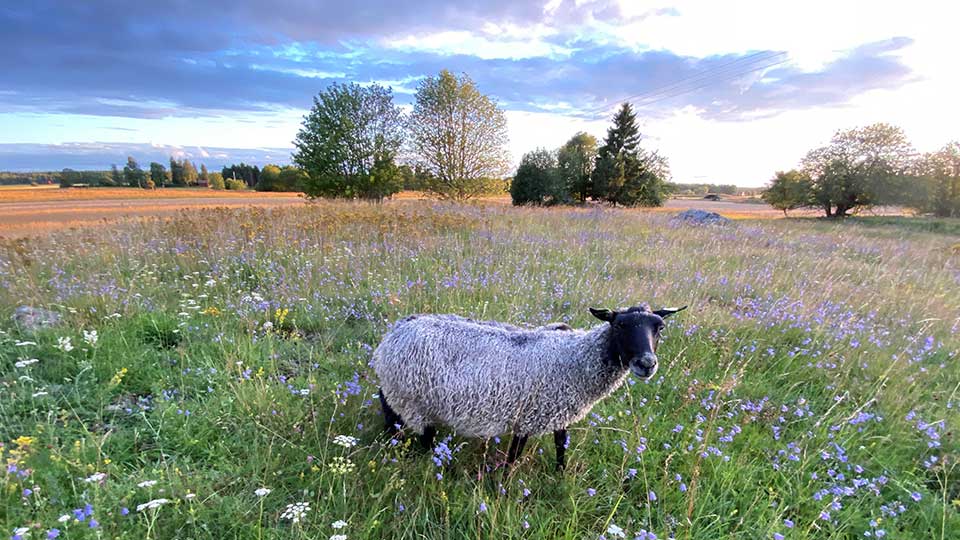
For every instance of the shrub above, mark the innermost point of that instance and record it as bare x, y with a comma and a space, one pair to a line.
237, 185
216, 181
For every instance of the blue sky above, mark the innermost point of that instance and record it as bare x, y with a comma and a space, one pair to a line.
728, 91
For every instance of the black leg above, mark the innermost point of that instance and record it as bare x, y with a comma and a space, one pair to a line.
560, 441
390, 417
426, 439
516, 447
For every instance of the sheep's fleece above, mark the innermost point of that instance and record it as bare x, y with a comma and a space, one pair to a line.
484, 379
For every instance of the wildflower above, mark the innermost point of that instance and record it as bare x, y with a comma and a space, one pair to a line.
615, 531
338, 524
124, 511
483, 507
20, 532
90, 337
64, 344
296, 511
345, 441
189, 496
262, 492
338, 537
95, 477
147, 483
25, 363
156, 503
64, 518
118, 376
788, 524
93, 523
53, 533
342, 465
24, 343
777, 536
916, 496
591, 492
652, 496
40, 394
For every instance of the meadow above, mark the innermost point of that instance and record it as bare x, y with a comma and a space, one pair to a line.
210, 377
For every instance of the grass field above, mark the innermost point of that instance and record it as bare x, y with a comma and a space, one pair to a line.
810, 391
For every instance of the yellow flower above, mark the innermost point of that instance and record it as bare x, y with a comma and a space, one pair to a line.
118, 377
23, 441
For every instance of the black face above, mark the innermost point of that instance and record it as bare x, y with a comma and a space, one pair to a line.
635, 334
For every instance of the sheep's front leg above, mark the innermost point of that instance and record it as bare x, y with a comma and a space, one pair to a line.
426, 438
516, 447
391, 420
560, 441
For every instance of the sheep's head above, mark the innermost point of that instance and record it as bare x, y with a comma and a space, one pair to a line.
634, 335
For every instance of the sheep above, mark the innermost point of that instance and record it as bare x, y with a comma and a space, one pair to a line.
488, 379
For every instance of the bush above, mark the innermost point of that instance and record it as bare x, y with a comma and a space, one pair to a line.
237, 185
538, 180
150, 184
216, 181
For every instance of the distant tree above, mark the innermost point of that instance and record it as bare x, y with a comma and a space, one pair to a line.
237, 185
458, 135
348, 143
149, 184
177, 177
936, 186
624, 173
133, 175
860, 167
216, 181
115, 177
69, 177
158, 173
538, 180
204, 175
788, 191
269, 179
249, 174
575, 161
189, 172
292, 178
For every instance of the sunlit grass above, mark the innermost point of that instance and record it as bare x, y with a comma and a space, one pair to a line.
810, 390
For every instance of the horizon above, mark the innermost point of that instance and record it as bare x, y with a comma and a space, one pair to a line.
729, 94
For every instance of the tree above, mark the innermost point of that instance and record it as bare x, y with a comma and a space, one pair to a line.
936, 187
158, 173
458, 136
860, 167
176, 173
204, 175
216, 181
69, 177
269, 179
624, 173
189, 172
115, 178
348, 142
575, 161
293, 178
538, 180
788, 191
133, 175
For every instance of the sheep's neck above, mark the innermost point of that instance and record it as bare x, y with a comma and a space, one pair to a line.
602, 371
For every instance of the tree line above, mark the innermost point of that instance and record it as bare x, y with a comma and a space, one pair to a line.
867, 166
618, 172
452, 144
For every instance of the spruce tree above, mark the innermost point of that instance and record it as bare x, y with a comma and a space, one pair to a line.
624, 173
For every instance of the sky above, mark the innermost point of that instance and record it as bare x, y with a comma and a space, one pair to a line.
729, 92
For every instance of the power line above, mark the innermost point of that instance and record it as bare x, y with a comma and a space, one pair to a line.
724, 71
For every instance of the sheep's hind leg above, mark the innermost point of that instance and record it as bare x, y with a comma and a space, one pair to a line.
391, 420
560, 441
516, 447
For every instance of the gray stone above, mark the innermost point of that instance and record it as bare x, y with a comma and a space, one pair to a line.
699, 217
31, 319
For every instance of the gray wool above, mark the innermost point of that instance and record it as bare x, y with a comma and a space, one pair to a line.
485, 380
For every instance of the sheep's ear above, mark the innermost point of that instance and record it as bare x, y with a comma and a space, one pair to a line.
603, 314
668, 311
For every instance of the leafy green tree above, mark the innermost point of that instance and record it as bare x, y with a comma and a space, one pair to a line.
624, 173
458, 135
293, 178
575, 161
189, 172
114, 178
788, 191
177, 177
216, 181
936, 187
269, 179
158, 173
235, 185
204, 175
349, 141
860, 167
69, 177
133, 175
250, 174
538, 180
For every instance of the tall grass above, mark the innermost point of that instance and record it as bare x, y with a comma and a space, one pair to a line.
810, 391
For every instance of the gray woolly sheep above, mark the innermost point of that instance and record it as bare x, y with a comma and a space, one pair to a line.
485, 379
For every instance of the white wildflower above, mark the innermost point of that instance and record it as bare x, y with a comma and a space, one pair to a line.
40, 394
90, 337
64, 518
147, 483
24, 343
262, 492
95, 477
338, 524
64, 344
25, 363
20, 532
615, 531
189, 496
345, 441
338, 537
296, 511
156, 503
268, 326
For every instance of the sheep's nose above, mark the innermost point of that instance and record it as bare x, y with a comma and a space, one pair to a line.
648, 360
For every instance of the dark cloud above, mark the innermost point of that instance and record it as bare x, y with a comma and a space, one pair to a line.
179, 58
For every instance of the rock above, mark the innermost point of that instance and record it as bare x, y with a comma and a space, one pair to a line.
699, 217
31, 319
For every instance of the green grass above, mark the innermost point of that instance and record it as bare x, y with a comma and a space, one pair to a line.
815, 371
